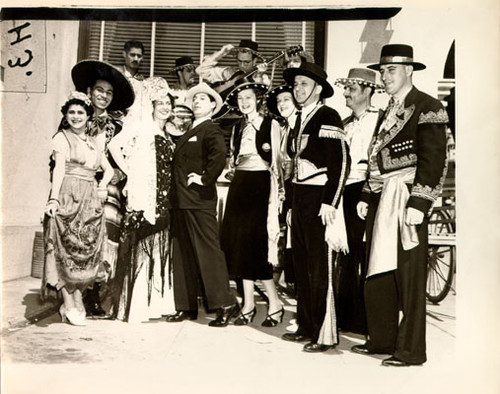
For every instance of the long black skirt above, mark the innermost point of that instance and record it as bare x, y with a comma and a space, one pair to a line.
244, 227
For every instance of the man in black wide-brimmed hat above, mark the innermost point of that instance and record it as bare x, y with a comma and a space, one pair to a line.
320, 155
406, 169
110, 93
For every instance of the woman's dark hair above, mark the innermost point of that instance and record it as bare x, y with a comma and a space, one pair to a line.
172, 100
88, 108
259, 96
170, 97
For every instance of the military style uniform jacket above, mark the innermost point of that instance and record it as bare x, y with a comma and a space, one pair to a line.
416, 138
320, 153
202, 150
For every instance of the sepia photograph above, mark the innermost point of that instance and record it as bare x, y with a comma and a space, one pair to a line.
273, 198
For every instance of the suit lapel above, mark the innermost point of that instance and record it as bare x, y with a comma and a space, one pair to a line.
189, 134
401, 119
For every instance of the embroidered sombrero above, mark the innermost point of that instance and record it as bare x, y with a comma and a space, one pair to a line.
361, 76
272, 96
242, 84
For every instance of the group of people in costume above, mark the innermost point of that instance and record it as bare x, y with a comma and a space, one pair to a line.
134, 201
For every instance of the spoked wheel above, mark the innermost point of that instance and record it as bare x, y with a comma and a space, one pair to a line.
440, 270
441, 258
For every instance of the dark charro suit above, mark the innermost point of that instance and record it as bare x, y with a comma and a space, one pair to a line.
414, 140
321, 165
196, 250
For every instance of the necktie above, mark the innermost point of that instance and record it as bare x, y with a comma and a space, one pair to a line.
390, 112
295, 132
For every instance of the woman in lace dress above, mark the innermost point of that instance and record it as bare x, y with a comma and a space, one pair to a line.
144, 151
74, 230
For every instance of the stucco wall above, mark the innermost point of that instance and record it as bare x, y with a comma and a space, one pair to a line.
28, 122
357, 44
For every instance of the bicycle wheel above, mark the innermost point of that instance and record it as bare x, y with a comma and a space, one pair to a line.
440, 270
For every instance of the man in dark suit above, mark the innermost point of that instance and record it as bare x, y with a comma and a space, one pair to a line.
198, 262
406, 169
320, 155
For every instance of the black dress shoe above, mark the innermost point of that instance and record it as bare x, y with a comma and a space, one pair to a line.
294, 337
396, 362
92, 302
361, 349
182, 315
224, 315
312, 347
95, 309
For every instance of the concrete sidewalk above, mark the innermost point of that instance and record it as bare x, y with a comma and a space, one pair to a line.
21, 304
192, 357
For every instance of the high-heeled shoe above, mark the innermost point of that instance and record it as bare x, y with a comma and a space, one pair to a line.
274, 318
72, 316
244, 318
62, 312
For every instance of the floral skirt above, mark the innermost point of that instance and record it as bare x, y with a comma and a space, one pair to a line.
74, 237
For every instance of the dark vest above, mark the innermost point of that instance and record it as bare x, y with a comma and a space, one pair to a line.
262, 140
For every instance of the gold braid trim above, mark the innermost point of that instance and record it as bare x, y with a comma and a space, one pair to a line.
390, 163
438, 117
327, 131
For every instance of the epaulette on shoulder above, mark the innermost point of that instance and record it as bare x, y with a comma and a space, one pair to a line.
329, 131
436, 117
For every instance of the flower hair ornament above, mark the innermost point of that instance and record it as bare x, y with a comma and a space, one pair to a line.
80, 96
157, 88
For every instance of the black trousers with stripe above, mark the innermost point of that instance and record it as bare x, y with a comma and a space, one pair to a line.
310, 262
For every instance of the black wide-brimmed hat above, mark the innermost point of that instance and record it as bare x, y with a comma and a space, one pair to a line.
397, 54
247, 46
86, 72
183, 61
313, 71
243, 84
272, 96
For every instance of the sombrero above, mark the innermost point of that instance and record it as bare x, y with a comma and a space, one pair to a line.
86, 72
361, 76
272, 96
242, 84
